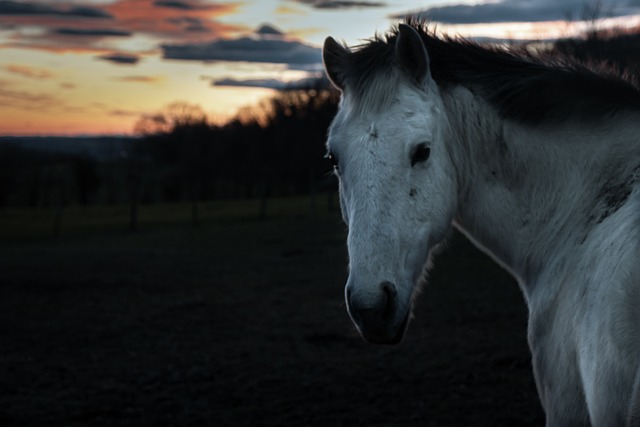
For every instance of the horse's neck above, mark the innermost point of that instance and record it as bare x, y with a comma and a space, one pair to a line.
525, 194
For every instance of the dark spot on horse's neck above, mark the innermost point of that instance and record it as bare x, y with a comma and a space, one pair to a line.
413, 192
615, 192
373, 132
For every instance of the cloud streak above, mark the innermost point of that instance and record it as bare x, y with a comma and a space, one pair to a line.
26, 100
120, 58
246, 49
174, 20
139, 79
181, 5
336, 4
9, 7
190, 24
88, 32
66, 28
516, 11
266, 83
29, 72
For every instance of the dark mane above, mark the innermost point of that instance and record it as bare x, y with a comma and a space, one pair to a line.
521, 85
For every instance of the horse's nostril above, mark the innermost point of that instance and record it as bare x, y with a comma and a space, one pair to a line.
375, 309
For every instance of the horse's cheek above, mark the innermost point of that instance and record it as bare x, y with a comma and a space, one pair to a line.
343, 204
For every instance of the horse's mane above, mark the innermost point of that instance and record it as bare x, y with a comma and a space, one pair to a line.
519, 83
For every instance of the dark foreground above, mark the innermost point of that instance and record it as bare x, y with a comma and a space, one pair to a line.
243, 324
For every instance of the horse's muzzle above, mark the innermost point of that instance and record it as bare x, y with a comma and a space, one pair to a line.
375, 313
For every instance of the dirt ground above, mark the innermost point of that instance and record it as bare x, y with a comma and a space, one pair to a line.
243, 324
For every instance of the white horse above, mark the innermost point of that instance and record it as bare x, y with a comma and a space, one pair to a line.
538, 164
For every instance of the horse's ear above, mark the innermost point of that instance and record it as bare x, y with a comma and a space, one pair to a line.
411, 53
333, 55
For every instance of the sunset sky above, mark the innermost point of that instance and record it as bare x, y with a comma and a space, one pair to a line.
97, 66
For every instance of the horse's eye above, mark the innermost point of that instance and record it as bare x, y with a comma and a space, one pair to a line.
333, 159
420, 154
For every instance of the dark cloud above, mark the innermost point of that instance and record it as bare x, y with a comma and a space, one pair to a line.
190, 24
247, 49
515, 11
263, 83
268, 30
185, 20
120, 58
266, 83
8, 7
62, 25
197, 29
81, 32
193, 5
491, 12
335, 4
177, 4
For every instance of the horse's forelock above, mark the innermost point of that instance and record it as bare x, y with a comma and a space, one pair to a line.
372, 95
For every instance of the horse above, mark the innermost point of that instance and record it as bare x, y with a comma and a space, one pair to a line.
536, 160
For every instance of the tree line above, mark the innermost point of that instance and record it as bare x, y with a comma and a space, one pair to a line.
273, 149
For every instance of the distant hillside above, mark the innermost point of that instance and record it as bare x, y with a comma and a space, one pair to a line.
100, 148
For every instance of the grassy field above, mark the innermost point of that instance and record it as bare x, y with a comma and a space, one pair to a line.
241, 322
19, 223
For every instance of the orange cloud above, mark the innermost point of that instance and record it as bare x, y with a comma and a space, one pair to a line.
58, 30
17, 99
140, 79
29, 72
180, 20
287, 10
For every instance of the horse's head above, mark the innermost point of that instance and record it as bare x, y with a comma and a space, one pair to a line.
397, 185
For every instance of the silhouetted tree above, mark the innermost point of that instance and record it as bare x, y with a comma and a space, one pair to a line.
12, 159
87, 179
177, 137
